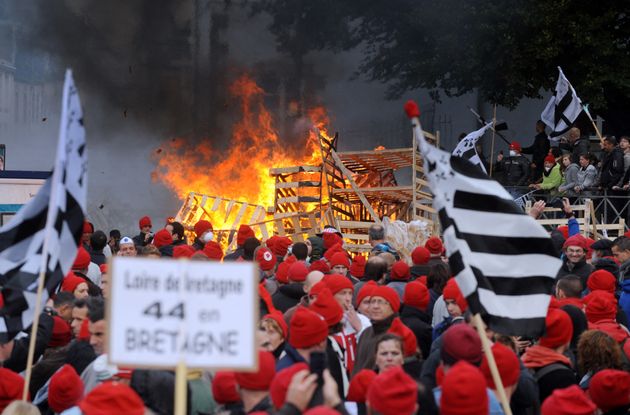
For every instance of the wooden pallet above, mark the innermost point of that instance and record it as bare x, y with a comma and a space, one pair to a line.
297, 189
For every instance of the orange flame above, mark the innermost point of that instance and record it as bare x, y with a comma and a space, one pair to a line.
241, 171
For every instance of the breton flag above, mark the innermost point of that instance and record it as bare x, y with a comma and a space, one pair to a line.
563, 108
44, 234
504, 262
466, 148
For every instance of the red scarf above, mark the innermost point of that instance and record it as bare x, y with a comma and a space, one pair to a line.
539, 356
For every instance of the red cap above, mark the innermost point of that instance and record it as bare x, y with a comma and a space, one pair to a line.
71, 282
65, 389
213, 250
357, 391
602, 280
224, 388
84, 331
575, 240
326, 306
331, 239
244, 232
451, 291
332, 251
463, 391
103, 268
410, 343
416, 295
202, 226
282, 273
162, 238
515, 145
280, 245
266, 259
265, 296
259, 380
564, 230
183, 251
400, 271
389, 294
61, 334
320, 265
568, 401
339, 258
82, 260
393, 392
336, 283
307, 329
112, 398
298, 272
411, 109
11, 385
317, 288
366, 291
558, 327
461, 342
550, 159
434, 245
277, 316
600, 305
281, 382
610, 389
508, 364
144, 221
357, 268
88, 227
420, 255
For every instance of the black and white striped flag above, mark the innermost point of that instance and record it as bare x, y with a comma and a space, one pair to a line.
563, 108
504, 262
466, 148
45, 233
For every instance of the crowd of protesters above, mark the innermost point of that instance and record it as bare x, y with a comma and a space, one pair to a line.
373, 334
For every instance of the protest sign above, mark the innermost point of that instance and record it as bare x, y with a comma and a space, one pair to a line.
161, 312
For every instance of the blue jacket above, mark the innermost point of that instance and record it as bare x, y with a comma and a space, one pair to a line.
624, 299
289, 359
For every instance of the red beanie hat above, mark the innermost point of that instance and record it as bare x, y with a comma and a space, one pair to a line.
281, 245
393, 392
103, 268
282, 273
515, 145
82, 260
265, 296
61, 334
420, 255
508, 364
84, 331
162, 238
298, 272
307, 329
422, 279
11, 385
463, 391
266, 259
144, 221
320, 265
213, 250
451, 291
434, 245
461, 342
340, 258
576, 240
357, 268
366, 291
331, 239
416, 295
281, 382
317, 288
610, 389
183, 251
568, 401
202, 226
600, 305
564, 230
602, 280
550, 159
336, 283
224, 388
410, 343
112, 398
278, 317
332, 251
244, 232
88, 227
400, 271
71, 282
259, 380
558, 327
326, 306
389, 294
357, 391
65, 389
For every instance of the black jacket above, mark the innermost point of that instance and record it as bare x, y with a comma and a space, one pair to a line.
612, 168
235, 255
17, 361
539, 149
166, 250
139, 240
98, 257
514, 170
560, 377
581, 146
419, 270
420, 323
287, 296
581, 269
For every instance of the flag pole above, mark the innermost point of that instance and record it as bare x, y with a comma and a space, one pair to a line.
494, 123
492, 364
38, 310
599, 134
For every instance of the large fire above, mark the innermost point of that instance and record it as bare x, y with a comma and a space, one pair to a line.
241, 171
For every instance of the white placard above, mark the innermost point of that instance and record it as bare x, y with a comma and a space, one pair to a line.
161, 310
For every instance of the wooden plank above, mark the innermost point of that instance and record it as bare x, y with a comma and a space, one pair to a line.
357, 237
425, 208
263, 231
216, 204
286, 185
279, 227
239, 215
294, 169
313, 223
559, 222
349, 224
348, 175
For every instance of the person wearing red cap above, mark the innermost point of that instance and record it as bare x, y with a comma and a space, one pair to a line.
254, 386
65, 389
75, 285
610, 391
393, 392
276, 332
514, 169
112, 398
266, 261
551, 178
289, 295
552, 369
244, 233
420, 257
399, 275
414, 315
574, 249
340, 263
600, 309
213, 251
509, 369
312, 278
357, 268
436, 249
145, 237
363, 298
464, 391
11, 385
225, 392
308, 333
602, 280
568, 401
204, 233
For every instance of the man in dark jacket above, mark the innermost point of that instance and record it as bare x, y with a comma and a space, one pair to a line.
98, 240
575, 259
514, 169
414, 315
145, 237
289, 295
539, 150
575, 144
612, 164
